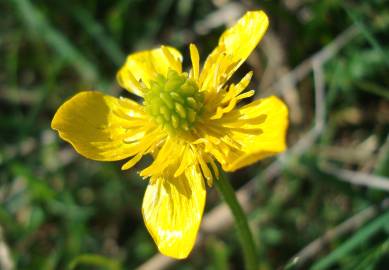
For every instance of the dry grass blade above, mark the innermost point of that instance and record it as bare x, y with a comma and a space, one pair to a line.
320, 57
6, 262
356, 178
352, 224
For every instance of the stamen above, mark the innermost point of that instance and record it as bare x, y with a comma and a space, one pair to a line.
195, 57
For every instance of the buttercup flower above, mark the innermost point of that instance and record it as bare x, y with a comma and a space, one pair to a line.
187, 122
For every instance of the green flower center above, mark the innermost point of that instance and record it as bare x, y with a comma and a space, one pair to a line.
174, 102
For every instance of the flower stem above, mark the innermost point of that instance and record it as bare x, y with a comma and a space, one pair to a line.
245, 236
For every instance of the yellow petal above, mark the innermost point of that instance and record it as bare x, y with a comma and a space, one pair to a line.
101, 127
142, 67
172, 210
234, 46
246, 135
260, 129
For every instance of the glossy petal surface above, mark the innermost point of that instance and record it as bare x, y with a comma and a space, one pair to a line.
172, 210
235, 45
246, 135
101, 127
260, 129
142, 67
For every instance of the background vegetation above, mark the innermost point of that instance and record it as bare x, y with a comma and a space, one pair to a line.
328, 60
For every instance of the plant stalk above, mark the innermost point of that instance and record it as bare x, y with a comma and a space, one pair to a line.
244, 233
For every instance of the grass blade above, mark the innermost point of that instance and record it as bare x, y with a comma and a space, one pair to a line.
38, 24
360, 237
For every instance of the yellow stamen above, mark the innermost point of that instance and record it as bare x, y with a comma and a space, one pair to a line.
195, 57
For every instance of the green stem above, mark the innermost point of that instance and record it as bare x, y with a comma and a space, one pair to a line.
246, 239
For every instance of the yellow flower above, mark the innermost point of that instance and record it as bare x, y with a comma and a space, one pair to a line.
186, 122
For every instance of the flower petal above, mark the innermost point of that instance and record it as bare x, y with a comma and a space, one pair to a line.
142, 67
246, 135
260, 129
102, 127
172, 210
235, 45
